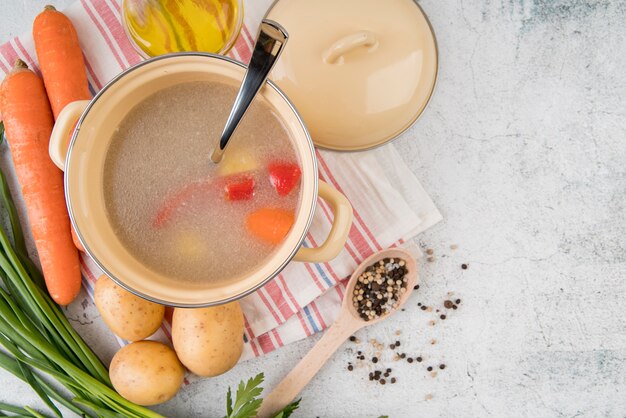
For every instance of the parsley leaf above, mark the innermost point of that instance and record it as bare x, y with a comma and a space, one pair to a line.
289, 409
247, 401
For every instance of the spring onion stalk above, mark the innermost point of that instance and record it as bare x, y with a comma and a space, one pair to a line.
39, 339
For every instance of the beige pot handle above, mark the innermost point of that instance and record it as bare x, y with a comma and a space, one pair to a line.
342, 211
364, 38
59, 139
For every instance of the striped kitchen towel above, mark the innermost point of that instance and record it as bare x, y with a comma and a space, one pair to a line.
390, 206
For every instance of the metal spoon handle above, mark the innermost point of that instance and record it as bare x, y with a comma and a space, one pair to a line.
269, 44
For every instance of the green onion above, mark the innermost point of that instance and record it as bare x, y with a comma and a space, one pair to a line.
39, 339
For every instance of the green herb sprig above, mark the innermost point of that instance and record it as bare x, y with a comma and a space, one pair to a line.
247, 401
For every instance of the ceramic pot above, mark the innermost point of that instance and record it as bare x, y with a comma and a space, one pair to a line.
92, 124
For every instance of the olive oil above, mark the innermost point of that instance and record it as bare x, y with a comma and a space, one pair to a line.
162, 26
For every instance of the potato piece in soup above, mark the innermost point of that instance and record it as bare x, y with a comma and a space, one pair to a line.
208, 341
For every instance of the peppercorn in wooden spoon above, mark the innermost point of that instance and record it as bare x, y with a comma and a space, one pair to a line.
377, 289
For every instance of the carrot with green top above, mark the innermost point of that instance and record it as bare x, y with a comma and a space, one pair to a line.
28, 123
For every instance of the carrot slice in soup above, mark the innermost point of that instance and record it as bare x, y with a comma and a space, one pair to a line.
270, 225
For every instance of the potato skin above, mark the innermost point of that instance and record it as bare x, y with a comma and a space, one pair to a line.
208, 341
128, 316
146, 372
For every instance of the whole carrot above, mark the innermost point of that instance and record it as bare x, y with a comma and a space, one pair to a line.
28, 123
60, 59
61, 62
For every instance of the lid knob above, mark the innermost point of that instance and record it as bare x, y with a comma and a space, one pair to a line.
334, 54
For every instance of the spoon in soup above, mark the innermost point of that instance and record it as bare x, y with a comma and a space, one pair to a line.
350, 320
268, 47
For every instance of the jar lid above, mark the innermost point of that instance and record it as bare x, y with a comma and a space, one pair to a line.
360, 72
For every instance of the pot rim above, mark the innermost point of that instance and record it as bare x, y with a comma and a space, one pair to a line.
104, 269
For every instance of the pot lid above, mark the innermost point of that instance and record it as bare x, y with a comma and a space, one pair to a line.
360, 72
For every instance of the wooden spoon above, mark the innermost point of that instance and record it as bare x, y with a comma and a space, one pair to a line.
344, 326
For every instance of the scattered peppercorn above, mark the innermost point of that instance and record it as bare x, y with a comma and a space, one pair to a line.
350, 367
418, 359
430, 369
454, 307
393, 380
397, 343
374, 359
442, 317
417, 286
464, 266
442, 366
458, 301
410, 359
419, 303
352, 338
382, 381
424, 308
403, 355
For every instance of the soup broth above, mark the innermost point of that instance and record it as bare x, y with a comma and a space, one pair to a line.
183, 216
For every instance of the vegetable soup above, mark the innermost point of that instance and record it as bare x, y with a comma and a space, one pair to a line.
184, 216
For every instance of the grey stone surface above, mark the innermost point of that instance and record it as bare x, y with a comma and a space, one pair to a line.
523, 148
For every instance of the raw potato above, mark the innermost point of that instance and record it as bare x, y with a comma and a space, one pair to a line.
208, 341
128, 316
146, 372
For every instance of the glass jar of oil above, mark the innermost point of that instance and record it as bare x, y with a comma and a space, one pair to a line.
158, 27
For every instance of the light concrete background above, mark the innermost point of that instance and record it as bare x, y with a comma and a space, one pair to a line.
523, 149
